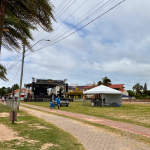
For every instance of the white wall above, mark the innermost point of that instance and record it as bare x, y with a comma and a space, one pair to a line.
125, 93
55, 89
113, 98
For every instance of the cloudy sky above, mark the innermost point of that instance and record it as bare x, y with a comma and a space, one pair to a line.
115, 45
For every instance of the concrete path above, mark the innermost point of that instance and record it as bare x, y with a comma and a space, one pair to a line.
91, 137
115, 124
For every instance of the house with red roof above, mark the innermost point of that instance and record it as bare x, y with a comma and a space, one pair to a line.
23, 92
119, 87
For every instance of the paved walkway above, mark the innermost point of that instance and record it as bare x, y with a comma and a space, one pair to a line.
115, 124
91, 137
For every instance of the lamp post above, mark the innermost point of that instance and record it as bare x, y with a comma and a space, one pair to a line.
23, 53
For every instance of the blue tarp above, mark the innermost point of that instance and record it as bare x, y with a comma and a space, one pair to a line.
125, 96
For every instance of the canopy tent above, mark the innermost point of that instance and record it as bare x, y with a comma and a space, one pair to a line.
110, 95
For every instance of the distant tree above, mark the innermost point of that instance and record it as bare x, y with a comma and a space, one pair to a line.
131, 93
99, 83
105, 81
9, 90
138, 88
2, 91
148, 92
16, 86
145, 87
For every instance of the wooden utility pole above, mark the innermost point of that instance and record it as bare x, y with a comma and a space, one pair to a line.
21, 77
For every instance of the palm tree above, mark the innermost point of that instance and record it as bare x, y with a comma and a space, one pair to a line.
3, 73
105, 81
138, 88
18, 32
29, 12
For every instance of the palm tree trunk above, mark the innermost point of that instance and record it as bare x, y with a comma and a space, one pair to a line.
2, 12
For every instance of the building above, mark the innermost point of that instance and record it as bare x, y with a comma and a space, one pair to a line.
119, 87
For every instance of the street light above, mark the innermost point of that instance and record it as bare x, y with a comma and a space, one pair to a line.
38, 42
22, 70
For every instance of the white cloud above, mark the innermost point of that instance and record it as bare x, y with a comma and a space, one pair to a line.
116, 45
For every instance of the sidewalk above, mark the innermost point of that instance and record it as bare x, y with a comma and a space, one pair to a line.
114, 124
91, 137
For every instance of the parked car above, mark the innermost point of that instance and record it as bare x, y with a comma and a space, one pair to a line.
63, 102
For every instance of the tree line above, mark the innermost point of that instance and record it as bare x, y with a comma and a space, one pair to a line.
4, 91
139, 91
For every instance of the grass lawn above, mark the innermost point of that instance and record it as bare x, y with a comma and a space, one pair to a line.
135, 113
31, 133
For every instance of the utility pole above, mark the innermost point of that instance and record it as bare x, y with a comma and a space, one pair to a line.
21, 76
23, 53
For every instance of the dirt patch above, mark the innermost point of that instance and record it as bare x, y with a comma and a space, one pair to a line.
4, 114
7, 134
37, 126
7, 115
20, 121
47, 145
29, 141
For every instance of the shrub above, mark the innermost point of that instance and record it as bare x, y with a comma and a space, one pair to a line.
75, 93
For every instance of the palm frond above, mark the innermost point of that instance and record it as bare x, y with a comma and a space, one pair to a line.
3, 73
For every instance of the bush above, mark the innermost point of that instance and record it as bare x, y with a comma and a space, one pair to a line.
75, 93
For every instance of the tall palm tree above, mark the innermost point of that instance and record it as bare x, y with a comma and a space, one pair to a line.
29, 12
105, 81
138, 88
18, 32
3, 73
19, 17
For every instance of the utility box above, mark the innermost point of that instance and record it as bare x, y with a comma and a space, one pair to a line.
13, 116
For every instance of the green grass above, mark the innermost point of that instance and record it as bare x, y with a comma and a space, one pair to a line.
50, 134
119, 132
134, 113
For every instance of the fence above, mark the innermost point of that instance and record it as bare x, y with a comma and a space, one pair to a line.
11, 103
86, 103
38, 100
136, 100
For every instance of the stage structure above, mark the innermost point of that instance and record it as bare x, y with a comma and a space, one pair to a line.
39, 89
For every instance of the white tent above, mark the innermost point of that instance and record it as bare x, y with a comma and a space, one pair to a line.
110, 95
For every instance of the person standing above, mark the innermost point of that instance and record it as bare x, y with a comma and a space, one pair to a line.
5, 98
104, 101
58, 101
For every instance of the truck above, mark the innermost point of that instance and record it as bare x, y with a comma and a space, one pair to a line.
63, 102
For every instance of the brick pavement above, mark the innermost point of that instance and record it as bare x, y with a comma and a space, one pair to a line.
114, 124
91, 137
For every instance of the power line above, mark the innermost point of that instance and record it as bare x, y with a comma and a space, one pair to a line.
76, 30
93, 13
57, 9
81, 27
60, 34
66, 19
59, 15
15, 75
14, 61
36, 32
14, 65
14, 57
62, 8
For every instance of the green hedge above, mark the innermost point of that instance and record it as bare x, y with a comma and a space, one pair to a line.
75, 93
141, 97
